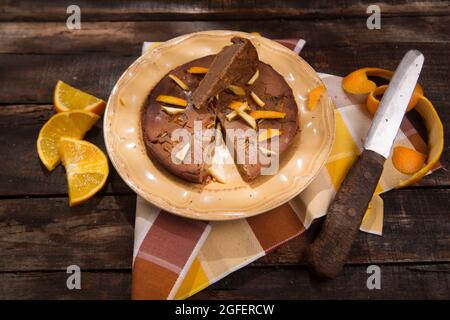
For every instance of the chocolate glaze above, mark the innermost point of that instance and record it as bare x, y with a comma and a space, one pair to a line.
158, 126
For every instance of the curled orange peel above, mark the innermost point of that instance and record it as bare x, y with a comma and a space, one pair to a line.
358, 82
435, 131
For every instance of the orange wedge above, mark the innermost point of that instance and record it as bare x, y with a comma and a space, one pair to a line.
66, 97
86, 168
69, 123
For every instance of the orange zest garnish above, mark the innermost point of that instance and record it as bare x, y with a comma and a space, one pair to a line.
198, 70
314, 96
179, 82
236, 104
236, 90
263, 114
172, 100
257, 100
373, 101
407, 161
267, 134
242, 107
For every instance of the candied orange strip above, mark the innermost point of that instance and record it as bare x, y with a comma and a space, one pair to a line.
268, 133
358, 82
198, 70
234, 105
407, 161
179, 82
236, 90
314, 96
263, 114
172, 100
373, 101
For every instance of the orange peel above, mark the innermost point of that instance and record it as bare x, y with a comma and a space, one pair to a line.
373, 101
314, 96
234, 105
435, 131
266, 114
357, 82
197, 70
407, 161
172, 100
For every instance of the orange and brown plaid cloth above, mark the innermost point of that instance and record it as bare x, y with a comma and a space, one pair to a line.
176, 257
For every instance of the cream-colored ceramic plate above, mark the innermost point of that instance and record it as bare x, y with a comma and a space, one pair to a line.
215, 201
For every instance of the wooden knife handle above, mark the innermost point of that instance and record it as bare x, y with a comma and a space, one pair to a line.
327, 254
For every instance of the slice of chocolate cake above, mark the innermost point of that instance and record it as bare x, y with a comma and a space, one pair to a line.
235, 80
231, 65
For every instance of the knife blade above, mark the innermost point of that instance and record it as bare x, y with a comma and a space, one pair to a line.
326, 256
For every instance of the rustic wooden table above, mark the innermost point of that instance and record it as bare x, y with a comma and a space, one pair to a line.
40, 235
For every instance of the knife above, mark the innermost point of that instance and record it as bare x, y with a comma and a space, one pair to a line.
326, 256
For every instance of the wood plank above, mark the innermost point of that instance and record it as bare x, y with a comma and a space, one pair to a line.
126, 37
52, 285
225, 9
397, 282
45, 234
21, 172
410, 281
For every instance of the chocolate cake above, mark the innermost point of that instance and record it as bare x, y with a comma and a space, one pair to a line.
235, 79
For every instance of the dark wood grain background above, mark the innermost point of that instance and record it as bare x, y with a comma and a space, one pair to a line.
40, 235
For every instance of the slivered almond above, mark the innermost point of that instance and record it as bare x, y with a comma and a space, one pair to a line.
179, 82
253, 78
266, 114
236, 104
267, 152
181, 154
257, 100
244, 106
197, 70
172, 100
267, 134
236, 90
249, 119
172, 111
217, 174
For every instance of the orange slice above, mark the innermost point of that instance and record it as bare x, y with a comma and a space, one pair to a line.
86, 168
69, 123
66, 97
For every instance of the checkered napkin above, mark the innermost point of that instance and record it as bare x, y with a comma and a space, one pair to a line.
176, 257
